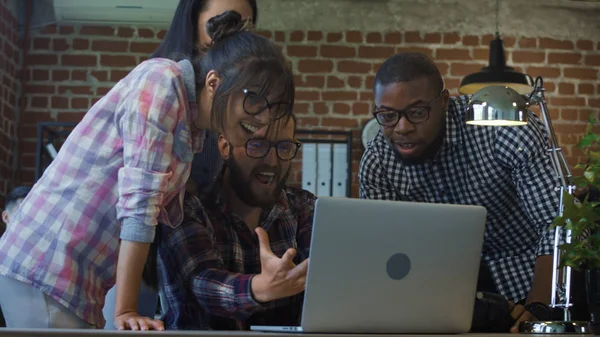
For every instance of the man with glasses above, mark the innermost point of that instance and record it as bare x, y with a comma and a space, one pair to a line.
241, 254
425, 152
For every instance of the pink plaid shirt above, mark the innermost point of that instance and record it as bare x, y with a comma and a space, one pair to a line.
122, 170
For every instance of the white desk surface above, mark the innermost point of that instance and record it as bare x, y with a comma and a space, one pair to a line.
90, 333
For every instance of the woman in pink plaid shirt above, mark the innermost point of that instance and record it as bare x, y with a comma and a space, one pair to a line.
123, 169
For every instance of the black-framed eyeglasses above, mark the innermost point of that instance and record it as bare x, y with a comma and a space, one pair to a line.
260, 148
255, 104
415, 115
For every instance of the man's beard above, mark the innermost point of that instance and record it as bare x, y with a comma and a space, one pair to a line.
430, 152
242, 185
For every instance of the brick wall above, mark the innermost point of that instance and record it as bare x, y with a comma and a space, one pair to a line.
9, 62
72, 66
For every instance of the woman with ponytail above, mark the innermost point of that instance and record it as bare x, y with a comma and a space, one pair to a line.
90, 219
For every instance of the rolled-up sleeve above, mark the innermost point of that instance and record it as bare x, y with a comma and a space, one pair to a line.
149, 115
524, 150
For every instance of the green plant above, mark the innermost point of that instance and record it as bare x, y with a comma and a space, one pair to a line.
582, 217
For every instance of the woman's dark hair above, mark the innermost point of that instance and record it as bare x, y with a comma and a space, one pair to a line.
181, 40
243, 60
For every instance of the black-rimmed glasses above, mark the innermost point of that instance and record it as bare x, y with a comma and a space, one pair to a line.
255, 104
260, 148
391, 117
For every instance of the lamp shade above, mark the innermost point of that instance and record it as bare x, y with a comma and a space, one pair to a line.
497, 105
497, 73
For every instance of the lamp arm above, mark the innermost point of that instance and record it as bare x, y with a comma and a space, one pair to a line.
563, 172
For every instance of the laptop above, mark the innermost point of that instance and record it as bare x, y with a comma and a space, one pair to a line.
391, 267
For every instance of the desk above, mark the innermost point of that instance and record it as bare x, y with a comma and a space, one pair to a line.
100, 333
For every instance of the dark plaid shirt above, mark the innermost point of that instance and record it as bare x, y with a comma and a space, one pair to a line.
505, 169
207, 263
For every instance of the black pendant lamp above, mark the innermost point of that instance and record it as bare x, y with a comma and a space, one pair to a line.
497, 72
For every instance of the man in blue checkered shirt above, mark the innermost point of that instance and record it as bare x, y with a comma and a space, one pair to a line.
425, 152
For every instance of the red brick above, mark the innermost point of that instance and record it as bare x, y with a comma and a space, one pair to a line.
97, 30
142, 47
452, 54
360, 108
416, 37
101, 91
311, 81
41, 43
338, 96
110, 45
487, 39
125, 32
339, 122
279, 36
422, 50
585, 89
366, 96
66, 30
301, 51
355, 81
60, 45
335, 82
39, 102
547, 43
370, 82
314, 36
594, 102
375, 52
509, 41
549, 72
470, 40
393, 38
40, 75
297, 36
528, 56
301, 108
564, 58
585, 45
70, 117
145, 33
307, 95
161, 34
341, 108
581, 73
307, 121
451, 38
320, 108
443, 67
481, 54
264, 33
567, 101
117, 61
79, 75
315, 66
592, 60
42, 59
49, 29
331, 51
76, 90
117, 75
463, 69
354, 36
566, 88
374, 37
526, 42
353, 67
80, 103
81, 44
60, 103
334, 37
60, 75
79, 60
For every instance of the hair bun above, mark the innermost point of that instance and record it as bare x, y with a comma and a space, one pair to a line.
226, 24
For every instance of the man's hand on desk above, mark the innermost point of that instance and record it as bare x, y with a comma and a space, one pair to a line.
519, 314
279, 277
